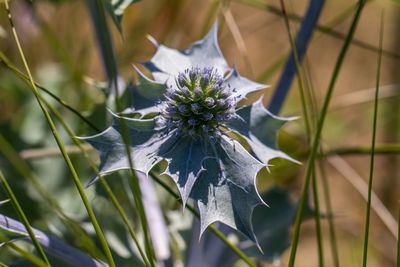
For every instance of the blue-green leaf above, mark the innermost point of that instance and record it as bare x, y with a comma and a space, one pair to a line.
185, 164
242, 86
203, 53
148, 145
271, 225
225, 190
259, 127
146, 94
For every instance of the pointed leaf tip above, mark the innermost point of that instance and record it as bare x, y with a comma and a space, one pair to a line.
225, 192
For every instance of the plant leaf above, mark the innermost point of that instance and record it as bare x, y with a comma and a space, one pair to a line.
271, 225
259, 127
242, 86
185, 164
148, 145
225, 190
203, 53
51, 245
146, 94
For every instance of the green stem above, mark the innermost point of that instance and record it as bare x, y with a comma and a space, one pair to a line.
317, 217
332, 232
316, 140
27, 255
371, 170
218, 233
23, 218
22, 167
383, 149
309, 134
60, 144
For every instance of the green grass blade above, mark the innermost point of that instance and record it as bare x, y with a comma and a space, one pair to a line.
309, 134
23, 217
371, 166
316, 139
27, 255
317, 217
382, 149
60, 144
23, 168
331, 223
105, 185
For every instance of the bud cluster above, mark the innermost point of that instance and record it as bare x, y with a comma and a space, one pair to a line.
198, 104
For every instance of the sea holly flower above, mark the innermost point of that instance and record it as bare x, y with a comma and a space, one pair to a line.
189, 113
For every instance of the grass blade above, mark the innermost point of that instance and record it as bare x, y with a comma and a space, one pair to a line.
371, 168
23, 217
60, 144
297, 68
107, 188
316, 139
53, 246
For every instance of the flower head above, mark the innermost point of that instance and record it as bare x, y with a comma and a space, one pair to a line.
203, 102
195, 107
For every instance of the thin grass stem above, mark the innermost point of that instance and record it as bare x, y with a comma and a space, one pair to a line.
27, 255
316, 139
105, 185
23, 218
372, 163
309, 134
331, 223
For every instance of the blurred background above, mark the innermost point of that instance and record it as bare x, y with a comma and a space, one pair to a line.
59, 42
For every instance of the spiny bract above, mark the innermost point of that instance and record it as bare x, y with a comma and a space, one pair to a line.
186, 113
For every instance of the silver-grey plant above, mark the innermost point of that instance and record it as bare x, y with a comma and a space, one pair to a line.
191, 114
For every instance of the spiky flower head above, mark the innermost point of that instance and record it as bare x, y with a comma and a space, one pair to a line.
198, 103
185, 115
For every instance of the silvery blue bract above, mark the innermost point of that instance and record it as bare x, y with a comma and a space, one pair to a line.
186, 116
